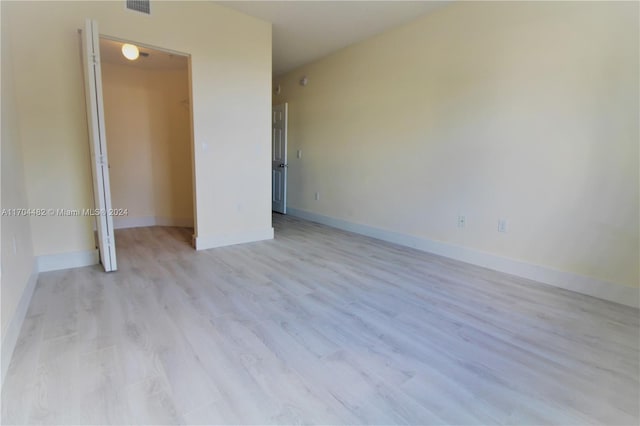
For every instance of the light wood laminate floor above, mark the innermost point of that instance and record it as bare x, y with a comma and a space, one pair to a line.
318, 326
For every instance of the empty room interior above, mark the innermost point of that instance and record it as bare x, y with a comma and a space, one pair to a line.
320, 212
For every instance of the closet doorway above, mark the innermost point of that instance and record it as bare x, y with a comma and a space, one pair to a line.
147, 115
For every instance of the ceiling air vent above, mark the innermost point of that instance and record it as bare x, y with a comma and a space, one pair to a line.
142, 6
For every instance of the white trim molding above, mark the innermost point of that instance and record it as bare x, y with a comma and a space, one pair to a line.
15, 324
228, 239
124, 222
618, 293
56, 262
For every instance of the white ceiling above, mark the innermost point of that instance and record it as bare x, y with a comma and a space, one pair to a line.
111, 52
304, 31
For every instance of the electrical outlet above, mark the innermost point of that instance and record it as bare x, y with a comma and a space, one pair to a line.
462, 221
299, 153
502, 225
317, 196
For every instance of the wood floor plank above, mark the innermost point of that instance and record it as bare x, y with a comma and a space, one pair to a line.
318, 326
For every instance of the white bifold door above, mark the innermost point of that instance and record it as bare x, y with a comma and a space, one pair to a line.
279, 159
98, 145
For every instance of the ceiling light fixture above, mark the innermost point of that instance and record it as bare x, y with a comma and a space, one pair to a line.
130, 51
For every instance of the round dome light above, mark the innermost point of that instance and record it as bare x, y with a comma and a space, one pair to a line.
130, 51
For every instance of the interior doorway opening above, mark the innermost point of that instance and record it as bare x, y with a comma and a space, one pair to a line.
147, 105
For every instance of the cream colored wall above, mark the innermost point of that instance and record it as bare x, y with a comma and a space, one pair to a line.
523, 111
149, 142
18, 265
231, 86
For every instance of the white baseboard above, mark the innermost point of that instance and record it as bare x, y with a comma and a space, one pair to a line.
618, 293
137, 222
221, 240
170, 221
55, 262
15, 325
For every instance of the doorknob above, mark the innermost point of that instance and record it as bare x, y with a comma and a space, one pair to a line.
282, 165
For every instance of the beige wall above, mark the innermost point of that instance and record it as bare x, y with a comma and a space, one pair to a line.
523, 111
231, 86
18, 265
149, 143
